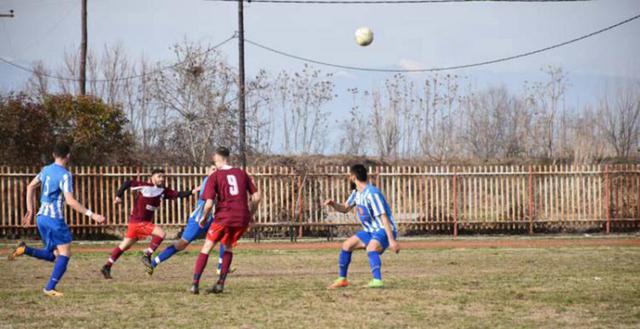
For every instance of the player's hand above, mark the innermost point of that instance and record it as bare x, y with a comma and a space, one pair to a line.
329, 203
26, 220
117, 200
195, 190
201, 222
395, 246
97, 218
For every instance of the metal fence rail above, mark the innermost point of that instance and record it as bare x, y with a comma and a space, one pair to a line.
422, 198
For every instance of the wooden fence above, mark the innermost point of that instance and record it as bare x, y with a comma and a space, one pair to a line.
423, 199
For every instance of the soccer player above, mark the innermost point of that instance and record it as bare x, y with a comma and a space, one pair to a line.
379, 231
57, 184
229, 188
149, 197
190, 233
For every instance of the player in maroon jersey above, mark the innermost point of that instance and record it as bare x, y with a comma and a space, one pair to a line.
229, 189
148, 199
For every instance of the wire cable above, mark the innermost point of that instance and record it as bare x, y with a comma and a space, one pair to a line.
130, 77
446, 68
386, 2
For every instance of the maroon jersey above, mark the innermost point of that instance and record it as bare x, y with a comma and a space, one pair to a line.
147, 200
230, 188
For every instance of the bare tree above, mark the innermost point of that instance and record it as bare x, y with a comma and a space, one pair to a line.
621, 120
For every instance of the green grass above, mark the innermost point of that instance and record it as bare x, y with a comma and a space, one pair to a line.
451, 288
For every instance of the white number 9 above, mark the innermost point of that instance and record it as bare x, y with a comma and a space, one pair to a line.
233, 184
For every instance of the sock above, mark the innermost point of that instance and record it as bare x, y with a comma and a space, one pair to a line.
155, 243
201, 262
343, 262
375, 263
164, 255
58, 271
40, 254
226, 264
220, 258
115, 254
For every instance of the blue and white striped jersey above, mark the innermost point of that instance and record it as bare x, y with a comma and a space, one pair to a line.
56, 180
370, 204
199, 209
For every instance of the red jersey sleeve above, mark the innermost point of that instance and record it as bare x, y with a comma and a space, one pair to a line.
170, 194
210, 188
251, 187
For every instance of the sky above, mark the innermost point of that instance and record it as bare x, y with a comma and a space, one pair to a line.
406, 36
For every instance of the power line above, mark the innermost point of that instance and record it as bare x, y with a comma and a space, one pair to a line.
377, 2
446, 68
130, 77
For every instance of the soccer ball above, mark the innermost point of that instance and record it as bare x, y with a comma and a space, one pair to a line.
364, 36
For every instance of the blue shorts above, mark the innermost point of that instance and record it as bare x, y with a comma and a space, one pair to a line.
53, 231
379, 235
192, 231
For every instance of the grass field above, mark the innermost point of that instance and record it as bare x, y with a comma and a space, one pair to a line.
575, 287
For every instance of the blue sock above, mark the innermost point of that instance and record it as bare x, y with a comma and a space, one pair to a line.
164, 255
220, 257
375, 263
40, 254
343, 262
58, 271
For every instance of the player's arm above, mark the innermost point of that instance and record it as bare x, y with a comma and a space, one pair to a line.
173, 195
28, 217
254, 195
377, 205
340, 207
393, 244
209, 195
208, 205
120, 193
77, 206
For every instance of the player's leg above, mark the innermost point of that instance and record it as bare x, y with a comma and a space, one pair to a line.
220, 256
344, 259
45, 253
201, 262
374, 250
157, 236
124, 245
190, 233
169, 251
229, 240
59, 268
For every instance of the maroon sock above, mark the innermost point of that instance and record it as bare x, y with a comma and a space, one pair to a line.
115, 254
201, 263
155, 243
227, 257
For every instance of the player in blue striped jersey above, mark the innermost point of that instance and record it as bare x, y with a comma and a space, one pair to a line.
379, 230
57, 185
191, 232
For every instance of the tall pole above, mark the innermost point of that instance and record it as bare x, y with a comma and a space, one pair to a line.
83, 51
241, 90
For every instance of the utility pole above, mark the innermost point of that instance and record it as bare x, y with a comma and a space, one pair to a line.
241, 90
9, 15
83, 51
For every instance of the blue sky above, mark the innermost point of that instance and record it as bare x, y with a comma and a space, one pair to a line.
406, 36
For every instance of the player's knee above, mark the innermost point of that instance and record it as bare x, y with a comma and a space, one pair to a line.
374, 246
181, 245
347, 246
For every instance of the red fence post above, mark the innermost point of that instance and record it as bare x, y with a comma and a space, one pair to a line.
455, 203
607, 196
530, 212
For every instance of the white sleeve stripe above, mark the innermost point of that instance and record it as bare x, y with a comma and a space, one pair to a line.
376, 211
381, 211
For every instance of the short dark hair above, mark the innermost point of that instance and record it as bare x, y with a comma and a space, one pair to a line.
360, 171
157, 171
61, 150
223, 151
